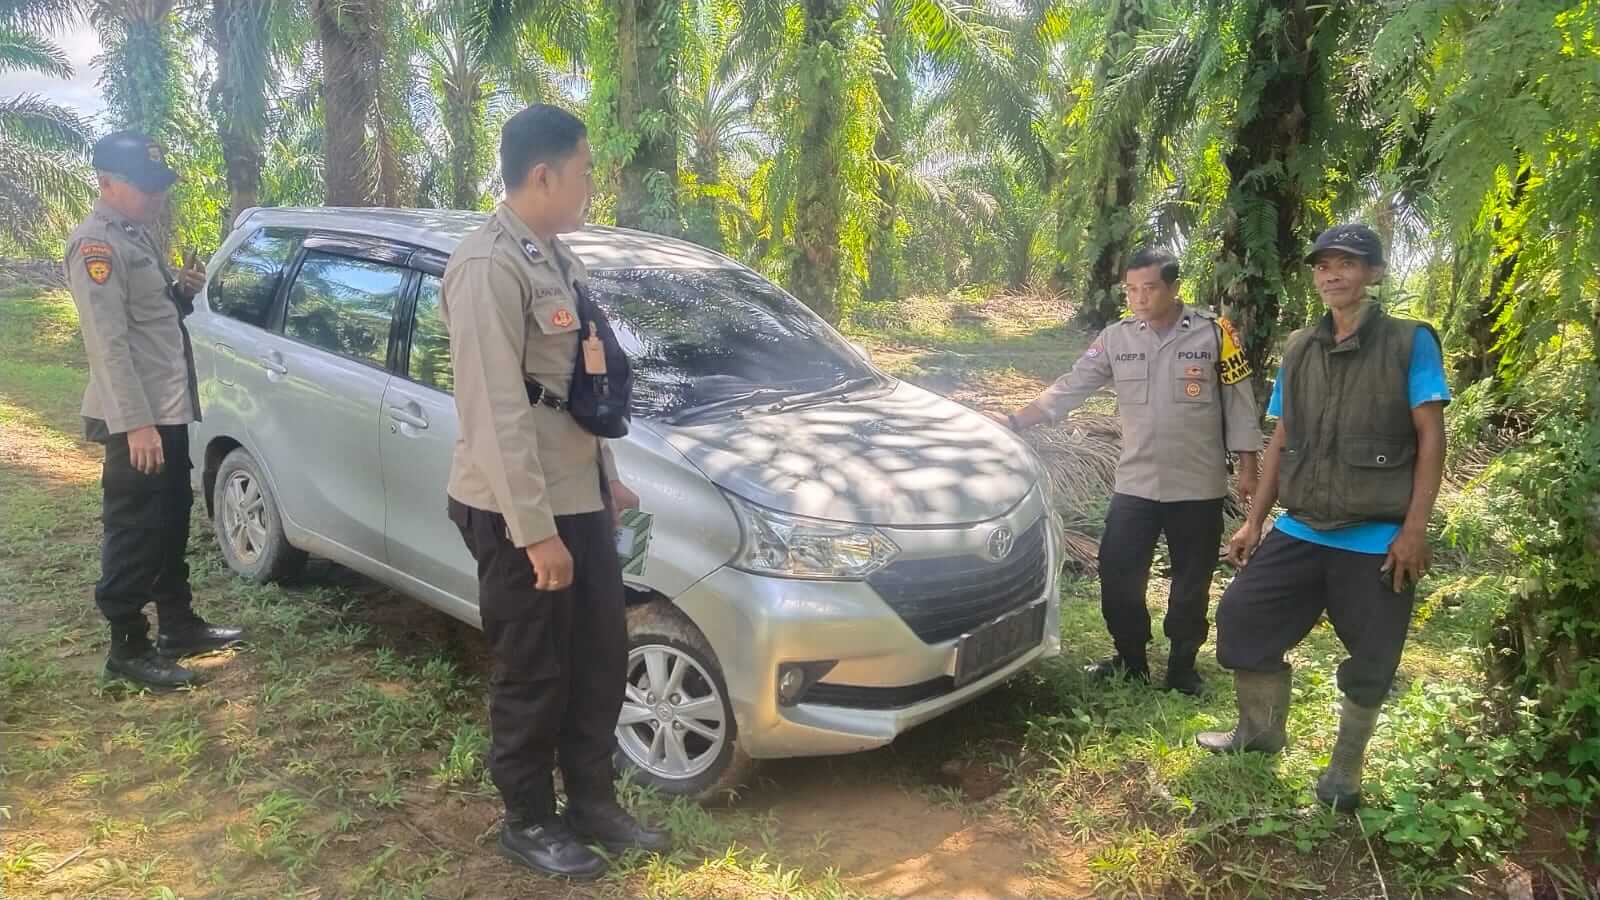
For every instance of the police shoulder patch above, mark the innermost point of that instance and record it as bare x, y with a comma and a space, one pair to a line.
96, 257
1235, 366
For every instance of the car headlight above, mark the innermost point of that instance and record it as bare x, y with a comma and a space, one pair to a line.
788, 546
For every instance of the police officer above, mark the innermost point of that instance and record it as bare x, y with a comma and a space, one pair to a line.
534, 494
1357, 457
1184, 400
139, 403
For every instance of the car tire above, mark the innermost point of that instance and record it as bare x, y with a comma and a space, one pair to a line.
662, 640
249, 525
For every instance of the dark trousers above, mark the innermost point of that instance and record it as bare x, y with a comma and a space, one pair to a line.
1277, 599
560, 661
1194, 534
146, 518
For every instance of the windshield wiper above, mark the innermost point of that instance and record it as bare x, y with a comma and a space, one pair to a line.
748, 398
794, 401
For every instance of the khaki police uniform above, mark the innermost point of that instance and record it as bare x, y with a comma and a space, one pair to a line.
1176, 393
141, 373
523, 473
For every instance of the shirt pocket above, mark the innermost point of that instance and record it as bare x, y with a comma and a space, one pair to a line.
1132, 379
147, 296
1375, 451
1194, 384
553, 311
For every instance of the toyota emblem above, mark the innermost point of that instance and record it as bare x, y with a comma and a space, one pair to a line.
1001, 540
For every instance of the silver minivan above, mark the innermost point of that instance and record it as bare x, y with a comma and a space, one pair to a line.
833, 556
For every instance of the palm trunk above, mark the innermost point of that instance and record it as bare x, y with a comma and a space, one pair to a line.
647, 67
349, 34
1114, 191
239, 29
894, 95
1269, 208
814, 274
141, 78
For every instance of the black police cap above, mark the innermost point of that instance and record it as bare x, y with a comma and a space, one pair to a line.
134, 158
1356, 240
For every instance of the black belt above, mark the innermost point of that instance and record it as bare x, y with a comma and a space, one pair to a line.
539, 395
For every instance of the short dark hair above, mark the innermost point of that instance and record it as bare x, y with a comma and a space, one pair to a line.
539, 134
1155, 256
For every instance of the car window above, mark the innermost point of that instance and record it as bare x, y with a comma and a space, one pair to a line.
429, 362
344, 305
699, 336
247, 283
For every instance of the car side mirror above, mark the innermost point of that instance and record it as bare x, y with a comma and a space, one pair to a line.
862, 350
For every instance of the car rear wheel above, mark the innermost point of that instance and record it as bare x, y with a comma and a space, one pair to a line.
248, 524
677, 732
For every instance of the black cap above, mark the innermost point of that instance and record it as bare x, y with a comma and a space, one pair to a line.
1356, 240
134, 158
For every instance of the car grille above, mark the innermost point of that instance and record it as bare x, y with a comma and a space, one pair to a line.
945, 598
855, 696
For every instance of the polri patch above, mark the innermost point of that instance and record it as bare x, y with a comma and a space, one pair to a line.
96, 260
1192, 389
563, 318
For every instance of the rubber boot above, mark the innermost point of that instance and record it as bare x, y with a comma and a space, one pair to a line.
1181, 673
1340, 783
1263, 715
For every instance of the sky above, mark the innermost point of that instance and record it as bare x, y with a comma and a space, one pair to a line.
80, 92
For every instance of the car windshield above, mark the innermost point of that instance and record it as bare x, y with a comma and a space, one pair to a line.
704, 339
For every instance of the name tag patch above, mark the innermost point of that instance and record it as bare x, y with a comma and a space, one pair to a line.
1129, 357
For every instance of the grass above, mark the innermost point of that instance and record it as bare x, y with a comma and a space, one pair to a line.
343, 752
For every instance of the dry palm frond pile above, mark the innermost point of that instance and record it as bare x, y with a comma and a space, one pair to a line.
1080, 456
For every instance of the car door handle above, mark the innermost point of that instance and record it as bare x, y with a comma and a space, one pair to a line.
408, 414
273, 363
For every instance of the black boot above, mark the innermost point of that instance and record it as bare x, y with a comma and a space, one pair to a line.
1125, 667
1181, 673
133, 659
606, 823
192, 636
550, 847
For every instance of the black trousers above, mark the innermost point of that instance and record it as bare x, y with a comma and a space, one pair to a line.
146, 519
1194, 534
1277, 599
560, 661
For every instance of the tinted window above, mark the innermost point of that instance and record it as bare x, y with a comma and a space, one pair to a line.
700, 336
430, 345
344, 305
246, 285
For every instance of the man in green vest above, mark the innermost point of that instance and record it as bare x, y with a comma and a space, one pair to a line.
1356, 459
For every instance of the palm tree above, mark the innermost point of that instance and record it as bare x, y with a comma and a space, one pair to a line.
475, 83
648, 38
351, 42
44, 173
1115, 152
716, 109
142, 74
934, 38
241, 41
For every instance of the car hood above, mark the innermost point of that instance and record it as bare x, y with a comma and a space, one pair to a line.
907, 458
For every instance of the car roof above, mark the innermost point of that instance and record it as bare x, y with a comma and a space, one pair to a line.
600, 247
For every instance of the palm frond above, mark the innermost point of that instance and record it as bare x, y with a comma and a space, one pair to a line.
24, 51
31, 121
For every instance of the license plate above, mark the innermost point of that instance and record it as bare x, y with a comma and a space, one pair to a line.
999, 642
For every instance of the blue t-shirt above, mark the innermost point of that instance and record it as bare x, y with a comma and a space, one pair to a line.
1426, 385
